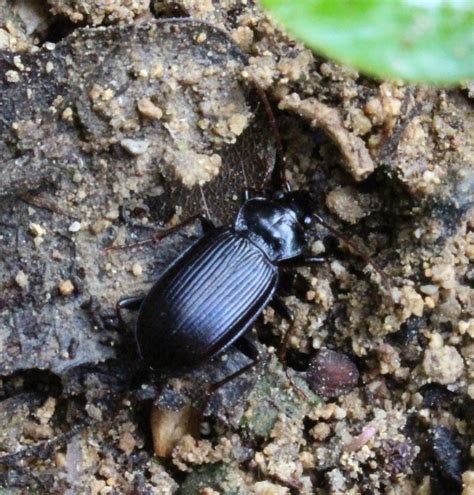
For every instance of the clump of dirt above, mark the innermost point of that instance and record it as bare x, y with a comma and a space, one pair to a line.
115, 132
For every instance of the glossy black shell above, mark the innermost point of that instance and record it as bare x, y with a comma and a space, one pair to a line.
205, 300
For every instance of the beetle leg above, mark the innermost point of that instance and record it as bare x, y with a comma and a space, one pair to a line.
206, 223
336, 232
302, 260
285, 312
247, 347
282, 309
161, 234
131, 303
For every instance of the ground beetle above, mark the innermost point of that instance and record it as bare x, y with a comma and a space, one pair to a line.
213, 293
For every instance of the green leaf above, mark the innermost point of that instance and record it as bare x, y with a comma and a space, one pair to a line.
415, 40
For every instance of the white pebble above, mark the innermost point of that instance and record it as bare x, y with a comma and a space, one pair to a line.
75, 226
135, 146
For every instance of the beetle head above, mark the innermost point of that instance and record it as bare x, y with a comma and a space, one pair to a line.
299, 202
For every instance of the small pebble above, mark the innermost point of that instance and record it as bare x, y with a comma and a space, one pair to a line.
398, 456
127, 442
443, 364
446, 452
137, 269
169, 427
37, 230
75, 226
21, 279
12, 76
36, 431
66, 288
148, 109
332, 374
135, 146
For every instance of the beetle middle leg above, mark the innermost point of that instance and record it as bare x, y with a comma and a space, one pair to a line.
285, 312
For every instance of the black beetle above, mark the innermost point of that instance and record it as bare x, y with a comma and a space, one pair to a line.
213, 293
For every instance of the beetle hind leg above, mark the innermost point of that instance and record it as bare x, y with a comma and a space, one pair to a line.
161, 234
247, 347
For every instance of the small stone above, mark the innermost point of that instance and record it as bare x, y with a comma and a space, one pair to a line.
96, 486
60, 460
36, 431
21, 279
443, 365
137, 270
127, 442
320, 431
12, 76
37, 230
94, 412
75, 226
169, 427
46, 411
267, 488
135, 146
66, 288
398, 457
237, 124
208, 491
331, 374
67, 114
468, 482
18, 63
446, 452
429, 289
148, 109
99, 226
201, 38
157, 71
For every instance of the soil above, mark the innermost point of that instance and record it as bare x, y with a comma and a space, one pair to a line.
119, 119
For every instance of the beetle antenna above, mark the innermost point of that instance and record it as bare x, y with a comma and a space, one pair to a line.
385, 280
278, 174
205, 203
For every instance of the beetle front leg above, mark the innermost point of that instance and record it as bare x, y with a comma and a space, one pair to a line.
302, 260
